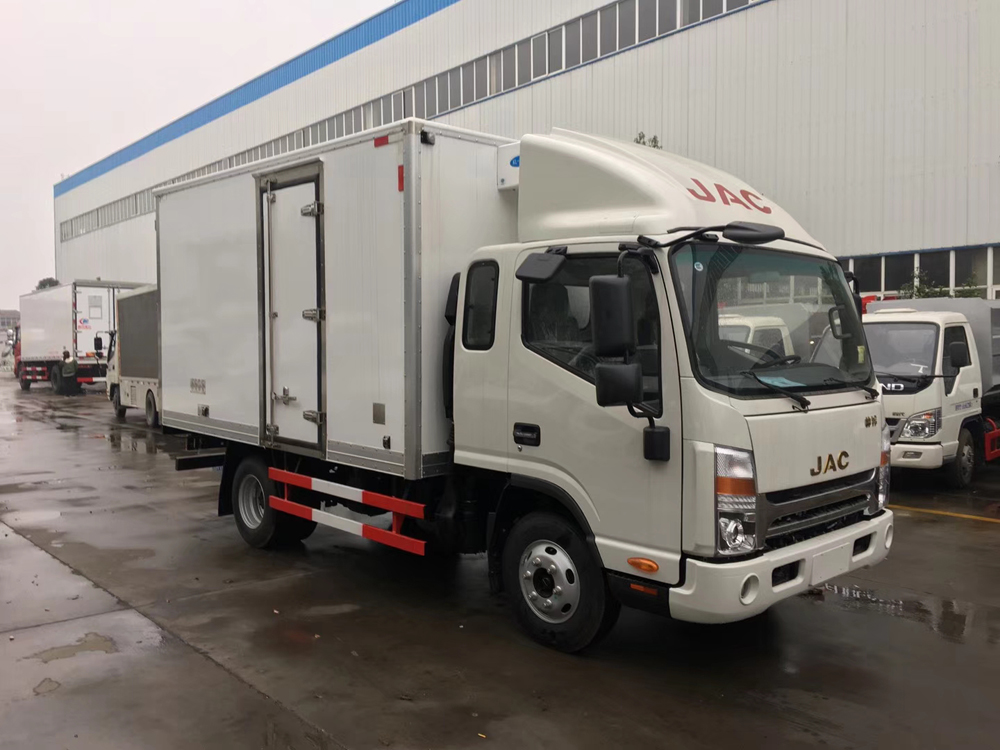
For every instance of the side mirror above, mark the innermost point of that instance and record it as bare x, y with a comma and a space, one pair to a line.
959, 354
98, 344
611, 316
618, 385
852, 283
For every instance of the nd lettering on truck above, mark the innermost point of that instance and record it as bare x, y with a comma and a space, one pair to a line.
77, 318
134, 355
427, 336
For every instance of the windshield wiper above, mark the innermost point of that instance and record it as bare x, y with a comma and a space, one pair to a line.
802, 401
867, 389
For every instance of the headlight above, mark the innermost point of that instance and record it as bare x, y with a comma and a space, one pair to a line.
735, 501
922, 426
883, 469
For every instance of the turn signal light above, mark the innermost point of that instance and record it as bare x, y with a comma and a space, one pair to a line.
643, 589
735, 486
644, 564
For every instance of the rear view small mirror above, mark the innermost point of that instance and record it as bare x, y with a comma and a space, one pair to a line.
540, 267
750, 233
618, 385
959, 354
98, 344
611, 316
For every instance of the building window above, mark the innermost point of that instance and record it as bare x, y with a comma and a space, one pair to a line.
468, 83
432, 106
523, 62
626, 24
690, 12
573, 34
555, 50
509, 69
419, 108
455, 89
936, 268
667, 21
734, 4
647, 19
443, 103
898, 271
711, 8
970, 267
589, 37
538, 57
609, 30
868, 272
496, 65
397, 106
373, 113
408, 103
482, 77
479, 324
359, 119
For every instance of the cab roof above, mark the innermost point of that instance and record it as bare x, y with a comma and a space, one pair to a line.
909, 315
576, 185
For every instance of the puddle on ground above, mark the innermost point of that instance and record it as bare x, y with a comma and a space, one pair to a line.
952, 620
46, 686
89, 642
32, 517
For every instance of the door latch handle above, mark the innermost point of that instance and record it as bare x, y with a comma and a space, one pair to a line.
527, 434
284, 398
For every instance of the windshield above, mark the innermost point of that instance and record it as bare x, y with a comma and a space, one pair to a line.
754, 314
906, 349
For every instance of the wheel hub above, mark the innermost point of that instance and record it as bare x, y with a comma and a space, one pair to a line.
549, 581
251, 501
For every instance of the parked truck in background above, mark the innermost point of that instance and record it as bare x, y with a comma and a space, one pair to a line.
938, 362
133, 380
561, 398
76, 318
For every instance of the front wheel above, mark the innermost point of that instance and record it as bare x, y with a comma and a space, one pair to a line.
961, 471
555, 586
55, 377
116, 402
24, 383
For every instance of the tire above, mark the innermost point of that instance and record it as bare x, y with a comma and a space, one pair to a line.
116, 402
25, 384
55, 377
259, 524
587, 611
152, 415
961, 471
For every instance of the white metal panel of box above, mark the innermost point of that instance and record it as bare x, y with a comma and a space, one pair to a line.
210, 374
47, 323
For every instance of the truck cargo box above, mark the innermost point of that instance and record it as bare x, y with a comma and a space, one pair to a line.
302, 299
984, 319
139, 333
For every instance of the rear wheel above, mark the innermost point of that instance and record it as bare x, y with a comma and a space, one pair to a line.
55, 377
116, 402
961, 471
152, 416
24, 382
555, 587
259, 524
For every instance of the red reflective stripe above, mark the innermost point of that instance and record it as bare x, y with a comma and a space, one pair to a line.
84, 380
287, 477
389, 539
293, 509
385, 502
383, 141
401, 180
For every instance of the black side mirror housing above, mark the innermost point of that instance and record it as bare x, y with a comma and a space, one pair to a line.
618, 385
98, 344
959, 354
611, 316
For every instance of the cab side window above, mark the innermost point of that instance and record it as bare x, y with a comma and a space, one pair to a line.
952, 335
556, 319
479, 326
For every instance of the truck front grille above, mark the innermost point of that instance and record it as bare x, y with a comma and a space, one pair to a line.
793, 516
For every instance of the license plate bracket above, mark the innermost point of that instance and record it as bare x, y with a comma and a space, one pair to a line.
832, 563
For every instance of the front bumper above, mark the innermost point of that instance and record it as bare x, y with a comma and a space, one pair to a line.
928, 456
726, 592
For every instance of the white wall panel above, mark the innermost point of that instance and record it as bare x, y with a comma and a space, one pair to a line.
121, 252
875, 123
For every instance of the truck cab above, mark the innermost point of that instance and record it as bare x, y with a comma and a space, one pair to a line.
928, 365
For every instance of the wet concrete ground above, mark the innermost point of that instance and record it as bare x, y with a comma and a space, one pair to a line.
131, 616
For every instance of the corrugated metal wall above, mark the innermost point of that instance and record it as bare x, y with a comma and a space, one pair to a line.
875, 123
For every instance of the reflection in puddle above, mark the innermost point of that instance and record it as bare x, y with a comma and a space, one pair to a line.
953, 621
133, 443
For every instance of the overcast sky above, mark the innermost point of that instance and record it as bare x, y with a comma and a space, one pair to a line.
79, 79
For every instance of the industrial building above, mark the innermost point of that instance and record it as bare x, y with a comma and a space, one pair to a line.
875, 123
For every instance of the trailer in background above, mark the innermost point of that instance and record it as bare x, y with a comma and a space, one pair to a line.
77, 318
133, 380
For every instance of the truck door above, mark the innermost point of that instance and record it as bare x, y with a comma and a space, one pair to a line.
558, 436
960, 388
294, 312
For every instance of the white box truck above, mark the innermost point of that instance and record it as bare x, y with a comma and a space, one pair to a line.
76, 318
424, 335
133, 380
938, 362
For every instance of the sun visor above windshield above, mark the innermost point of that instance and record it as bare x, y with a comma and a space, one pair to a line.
574, 185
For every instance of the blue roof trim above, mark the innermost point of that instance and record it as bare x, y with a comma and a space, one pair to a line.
378, 27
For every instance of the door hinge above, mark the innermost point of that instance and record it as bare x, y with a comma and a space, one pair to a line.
315, 314
313, 209
316, 417
271, 431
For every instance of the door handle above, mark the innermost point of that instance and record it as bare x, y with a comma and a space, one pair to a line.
284, 398
527, 434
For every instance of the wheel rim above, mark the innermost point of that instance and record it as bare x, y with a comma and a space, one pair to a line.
550, 583
251, 501
967, 460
